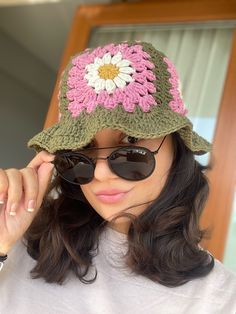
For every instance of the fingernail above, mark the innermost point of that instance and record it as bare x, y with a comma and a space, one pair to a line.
13, 209
1, 198
31, 206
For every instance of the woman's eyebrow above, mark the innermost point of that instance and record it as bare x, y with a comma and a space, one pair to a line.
94, 141
120, 134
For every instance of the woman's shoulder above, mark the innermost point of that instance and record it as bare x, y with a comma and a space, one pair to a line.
18, 258
19, 249
219, 286
222, 277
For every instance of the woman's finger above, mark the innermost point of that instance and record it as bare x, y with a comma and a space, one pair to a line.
41, 157
45, 172
15, 192
3, 186
30, 186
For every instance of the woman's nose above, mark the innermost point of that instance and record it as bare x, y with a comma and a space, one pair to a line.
102, 171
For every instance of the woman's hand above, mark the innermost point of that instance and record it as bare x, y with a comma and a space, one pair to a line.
21, 195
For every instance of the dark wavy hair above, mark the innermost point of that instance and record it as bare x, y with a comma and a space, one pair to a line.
163, 241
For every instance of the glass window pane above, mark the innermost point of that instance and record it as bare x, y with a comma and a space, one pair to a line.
230, 249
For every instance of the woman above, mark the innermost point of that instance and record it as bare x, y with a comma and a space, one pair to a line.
115, 228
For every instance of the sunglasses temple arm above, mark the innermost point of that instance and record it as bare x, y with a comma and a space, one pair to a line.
156, 151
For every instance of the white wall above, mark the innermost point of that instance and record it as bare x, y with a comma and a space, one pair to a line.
25, 89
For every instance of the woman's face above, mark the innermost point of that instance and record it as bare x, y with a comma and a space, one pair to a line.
137, 192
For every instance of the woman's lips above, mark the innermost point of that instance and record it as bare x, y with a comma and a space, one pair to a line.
112, 198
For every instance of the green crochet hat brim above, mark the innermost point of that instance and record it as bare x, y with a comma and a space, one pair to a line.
75, 133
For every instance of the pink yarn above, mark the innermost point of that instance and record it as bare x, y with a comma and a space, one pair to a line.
136, 93
177, 104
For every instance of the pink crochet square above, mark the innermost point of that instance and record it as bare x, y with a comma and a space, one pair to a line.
129, 79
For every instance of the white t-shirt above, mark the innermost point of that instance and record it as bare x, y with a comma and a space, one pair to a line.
116, 290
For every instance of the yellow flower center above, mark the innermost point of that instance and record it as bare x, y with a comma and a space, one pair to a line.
108, 71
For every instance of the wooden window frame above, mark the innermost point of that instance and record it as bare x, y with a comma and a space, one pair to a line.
222, 178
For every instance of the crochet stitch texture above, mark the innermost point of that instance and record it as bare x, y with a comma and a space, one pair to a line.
129, 86
105, 79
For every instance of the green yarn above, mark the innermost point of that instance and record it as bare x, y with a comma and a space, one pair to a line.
76, 133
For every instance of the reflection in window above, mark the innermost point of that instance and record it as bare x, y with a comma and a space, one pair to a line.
230, 256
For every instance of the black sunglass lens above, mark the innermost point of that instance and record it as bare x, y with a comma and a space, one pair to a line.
76, 170
132, 163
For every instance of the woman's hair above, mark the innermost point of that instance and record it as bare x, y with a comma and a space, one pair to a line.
163, 241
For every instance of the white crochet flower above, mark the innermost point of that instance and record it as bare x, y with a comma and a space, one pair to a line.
109, 72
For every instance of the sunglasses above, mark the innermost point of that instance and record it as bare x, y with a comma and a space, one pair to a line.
131, 163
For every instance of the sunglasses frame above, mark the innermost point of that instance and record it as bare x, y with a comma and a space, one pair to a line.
92, 160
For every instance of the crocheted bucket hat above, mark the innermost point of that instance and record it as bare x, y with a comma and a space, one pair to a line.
128, 86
